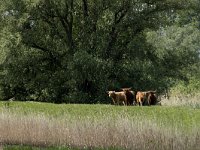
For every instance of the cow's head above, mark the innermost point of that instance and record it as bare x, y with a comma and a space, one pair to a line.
110, 93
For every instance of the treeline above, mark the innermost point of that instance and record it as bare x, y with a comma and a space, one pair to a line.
73, 51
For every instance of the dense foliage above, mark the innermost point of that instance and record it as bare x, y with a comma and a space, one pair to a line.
73, 51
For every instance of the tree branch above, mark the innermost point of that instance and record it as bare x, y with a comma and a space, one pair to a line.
119, 15
70, 35
85, 8
52, 56
34, 45
67, 23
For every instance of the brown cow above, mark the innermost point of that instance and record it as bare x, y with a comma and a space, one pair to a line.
129, 95
146, 97
140, 97
118, 97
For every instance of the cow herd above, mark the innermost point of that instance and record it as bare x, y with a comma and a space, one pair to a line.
128, 97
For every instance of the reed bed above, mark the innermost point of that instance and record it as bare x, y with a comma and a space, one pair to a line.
122, 131
182, 100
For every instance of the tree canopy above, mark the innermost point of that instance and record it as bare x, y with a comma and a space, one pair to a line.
73, 51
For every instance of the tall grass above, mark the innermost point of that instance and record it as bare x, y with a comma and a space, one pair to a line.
182, 100
90, 126
121, 132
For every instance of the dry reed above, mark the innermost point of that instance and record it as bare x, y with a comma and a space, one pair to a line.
122, 132
182, 100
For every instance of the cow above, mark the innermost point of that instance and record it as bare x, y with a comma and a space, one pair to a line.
146, 97
118, 97
151, 97
140, 97
129, 95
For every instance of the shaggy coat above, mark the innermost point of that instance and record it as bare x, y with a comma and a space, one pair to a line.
129, 95
118, 97
146, 97
140, 97
151, 98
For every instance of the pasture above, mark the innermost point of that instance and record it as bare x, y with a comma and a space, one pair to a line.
76, 126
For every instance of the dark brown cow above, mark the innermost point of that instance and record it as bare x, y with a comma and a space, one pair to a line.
129, 95
151, 97
118, 97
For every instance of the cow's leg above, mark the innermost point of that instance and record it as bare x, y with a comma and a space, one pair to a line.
114, 102
117, 102
137, 102
149, 101
126, 102
140, 101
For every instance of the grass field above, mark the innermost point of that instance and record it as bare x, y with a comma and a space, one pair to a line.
75, 126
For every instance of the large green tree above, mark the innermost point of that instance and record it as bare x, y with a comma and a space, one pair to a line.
75, 50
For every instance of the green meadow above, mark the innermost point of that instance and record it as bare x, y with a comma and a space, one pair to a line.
78, 126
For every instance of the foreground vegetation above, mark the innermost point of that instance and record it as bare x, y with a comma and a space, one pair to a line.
100, 126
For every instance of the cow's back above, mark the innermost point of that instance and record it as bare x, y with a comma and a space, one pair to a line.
129, 96
140, 97
121, 95
152, 98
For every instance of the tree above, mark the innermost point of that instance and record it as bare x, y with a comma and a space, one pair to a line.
75, 50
